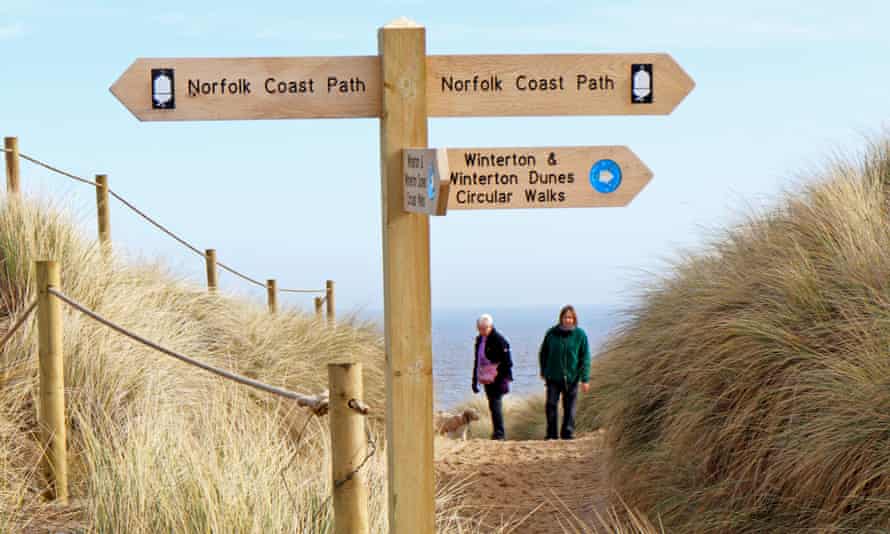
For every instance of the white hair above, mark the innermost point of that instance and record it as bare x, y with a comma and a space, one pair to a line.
484, 320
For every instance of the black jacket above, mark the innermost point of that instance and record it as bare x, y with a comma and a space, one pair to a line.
497, 350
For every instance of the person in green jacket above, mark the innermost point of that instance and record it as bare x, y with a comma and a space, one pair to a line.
565, 362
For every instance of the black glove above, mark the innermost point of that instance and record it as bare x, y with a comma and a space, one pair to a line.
475, 388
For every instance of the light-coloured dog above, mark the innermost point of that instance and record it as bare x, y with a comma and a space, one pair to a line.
455, 425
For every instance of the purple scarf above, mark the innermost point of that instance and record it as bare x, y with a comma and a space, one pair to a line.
486, 371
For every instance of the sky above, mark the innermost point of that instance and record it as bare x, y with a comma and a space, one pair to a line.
781, 87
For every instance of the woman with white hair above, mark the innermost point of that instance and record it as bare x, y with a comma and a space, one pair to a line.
493, 368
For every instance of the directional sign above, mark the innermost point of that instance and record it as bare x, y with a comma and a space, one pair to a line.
251, 88
425, 190
547, 177
349, 86
559, 84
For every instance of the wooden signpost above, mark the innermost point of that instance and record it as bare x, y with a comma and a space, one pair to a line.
403, 87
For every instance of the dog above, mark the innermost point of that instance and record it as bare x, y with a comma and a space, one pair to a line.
455, 424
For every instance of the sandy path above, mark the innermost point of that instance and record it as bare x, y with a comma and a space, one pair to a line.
509, 480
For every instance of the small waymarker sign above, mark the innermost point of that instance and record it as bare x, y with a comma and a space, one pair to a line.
349, 86
546, 177
425, 189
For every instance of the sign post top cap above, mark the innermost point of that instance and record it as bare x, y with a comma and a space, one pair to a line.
401, 22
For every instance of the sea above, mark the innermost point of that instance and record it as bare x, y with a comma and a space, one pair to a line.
454, 332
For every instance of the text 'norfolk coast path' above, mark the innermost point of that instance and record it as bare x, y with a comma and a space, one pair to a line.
349, 86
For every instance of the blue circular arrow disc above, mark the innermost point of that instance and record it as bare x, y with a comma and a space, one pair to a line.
431, 183
613, 175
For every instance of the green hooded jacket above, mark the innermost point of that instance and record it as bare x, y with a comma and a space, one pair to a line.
565, 355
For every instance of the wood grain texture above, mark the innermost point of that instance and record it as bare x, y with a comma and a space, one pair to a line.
406, 288
671, 85
454, 86
12, 165
551, 177
348, 449
51, 413
133, 88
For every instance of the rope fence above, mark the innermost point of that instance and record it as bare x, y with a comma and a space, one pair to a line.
101, 185
351, 439
300, 290
59, 171
317, 403
352, 442
156, 224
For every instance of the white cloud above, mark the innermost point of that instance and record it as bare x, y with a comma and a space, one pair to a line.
12, 31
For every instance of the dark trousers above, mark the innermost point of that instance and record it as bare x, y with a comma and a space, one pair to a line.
569, 392
493, 392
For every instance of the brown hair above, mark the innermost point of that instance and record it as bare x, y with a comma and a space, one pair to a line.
565, 309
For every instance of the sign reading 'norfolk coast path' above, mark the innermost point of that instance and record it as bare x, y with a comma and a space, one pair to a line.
349, 86
546, 177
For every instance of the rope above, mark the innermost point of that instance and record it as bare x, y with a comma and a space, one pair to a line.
302, 290
236, 273
18, 323
318, 403
182, 241
63, 173
372, 448
156, 224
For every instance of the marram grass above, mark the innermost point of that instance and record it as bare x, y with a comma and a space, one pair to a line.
158, 446
749, 391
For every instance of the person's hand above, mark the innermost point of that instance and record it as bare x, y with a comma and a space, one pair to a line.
585, 387
475, 388
505, 387
542, 378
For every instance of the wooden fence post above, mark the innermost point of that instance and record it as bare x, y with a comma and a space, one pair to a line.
51, 410
12, 165
103, 213
329, 300
272, 292
406, 285
210, 256
318, 304
349, 447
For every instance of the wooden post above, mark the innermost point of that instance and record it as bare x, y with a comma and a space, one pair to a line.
104, 218
51, 410
348, 446
406, 285
272, 292
329, 300
12, 165
318, 304
210, 256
